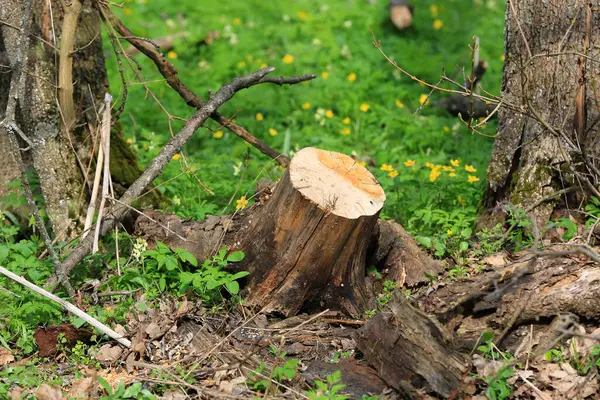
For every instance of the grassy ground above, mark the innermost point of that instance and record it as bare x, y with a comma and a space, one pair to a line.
358, 105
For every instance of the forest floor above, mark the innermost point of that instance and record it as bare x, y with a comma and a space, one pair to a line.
430, 165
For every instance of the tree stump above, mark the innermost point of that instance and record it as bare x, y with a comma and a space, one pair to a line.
309, 243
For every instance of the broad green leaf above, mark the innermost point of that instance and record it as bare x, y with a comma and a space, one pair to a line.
236, 256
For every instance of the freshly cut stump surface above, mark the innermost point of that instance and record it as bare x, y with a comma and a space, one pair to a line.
307, 246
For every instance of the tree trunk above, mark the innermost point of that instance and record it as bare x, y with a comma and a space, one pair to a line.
308, 244
546, 74
63, 155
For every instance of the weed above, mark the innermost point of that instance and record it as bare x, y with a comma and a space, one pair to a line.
283, 369
328, 390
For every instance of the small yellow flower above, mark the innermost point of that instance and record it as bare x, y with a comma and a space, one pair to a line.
263, 65
352, 77
399, 104
345, 131
448, 169
305, 106
470, 168
176, 156
127, 11
473, 179
455, 163
446, 129
288, 59
437, 24
423, 98
362, 163
237, 21
503, 57
218, 134
460, 201
241, 203
434, 10
259, 117
346, 121
129, 140
386, 167
249, 58
273, 132
329, 114
452, 175
449, 232
434, 174
393, 174
325, 75
302, 15
429, 164
172, 55
364, 107
409, 163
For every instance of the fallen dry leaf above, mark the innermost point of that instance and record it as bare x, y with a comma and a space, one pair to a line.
46, 392
108, 353
81, 389
5, 356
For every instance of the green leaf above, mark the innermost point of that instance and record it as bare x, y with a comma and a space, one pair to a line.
239, 275
233, 287
162, 283
464, 246
487, 336
236, 256
424, 241
133, 390
105, 385
171, 263
466, 233
186, 256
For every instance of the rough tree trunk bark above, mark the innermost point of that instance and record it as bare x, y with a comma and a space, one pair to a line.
60, 158
546, 74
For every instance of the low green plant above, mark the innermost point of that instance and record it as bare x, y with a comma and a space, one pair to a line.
133, 391
328, 390
498, 386
283, 369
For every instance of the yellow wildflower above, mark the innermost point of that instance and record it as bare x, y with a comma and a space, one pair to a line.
129, 140
399, 104
473, 179
449, 232
249, 58
241, 64
362, 163
352, 77
429, 164
470, 168
259, 117
423, 98
127, 11
241, 203
503, 57
172, 55
452, 175
346, 121
409, 163
434, 174
325, 75
434, 10
446, 129
460, 201
218, 134
329, 114
437, 24
237, 21
386, 167
288, 59
455, 163
263, 65
273, 132
364, 107
393, 174
345, 131
302, 15
305, 106
176, 156
448, 169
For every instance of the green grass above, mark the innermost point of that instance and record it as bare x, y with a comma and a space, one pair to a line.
331, 37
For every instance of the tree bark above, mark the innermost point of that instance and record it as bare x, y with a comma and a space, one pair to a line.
61, 158
548, 67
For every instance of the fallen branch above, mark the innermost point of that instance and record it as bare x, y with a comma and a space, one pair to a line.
169, 71
225, 93
67, 306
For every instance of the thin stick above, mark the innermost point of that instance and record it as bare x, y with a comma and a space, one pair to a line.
105, 141
92, 206
68, 306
